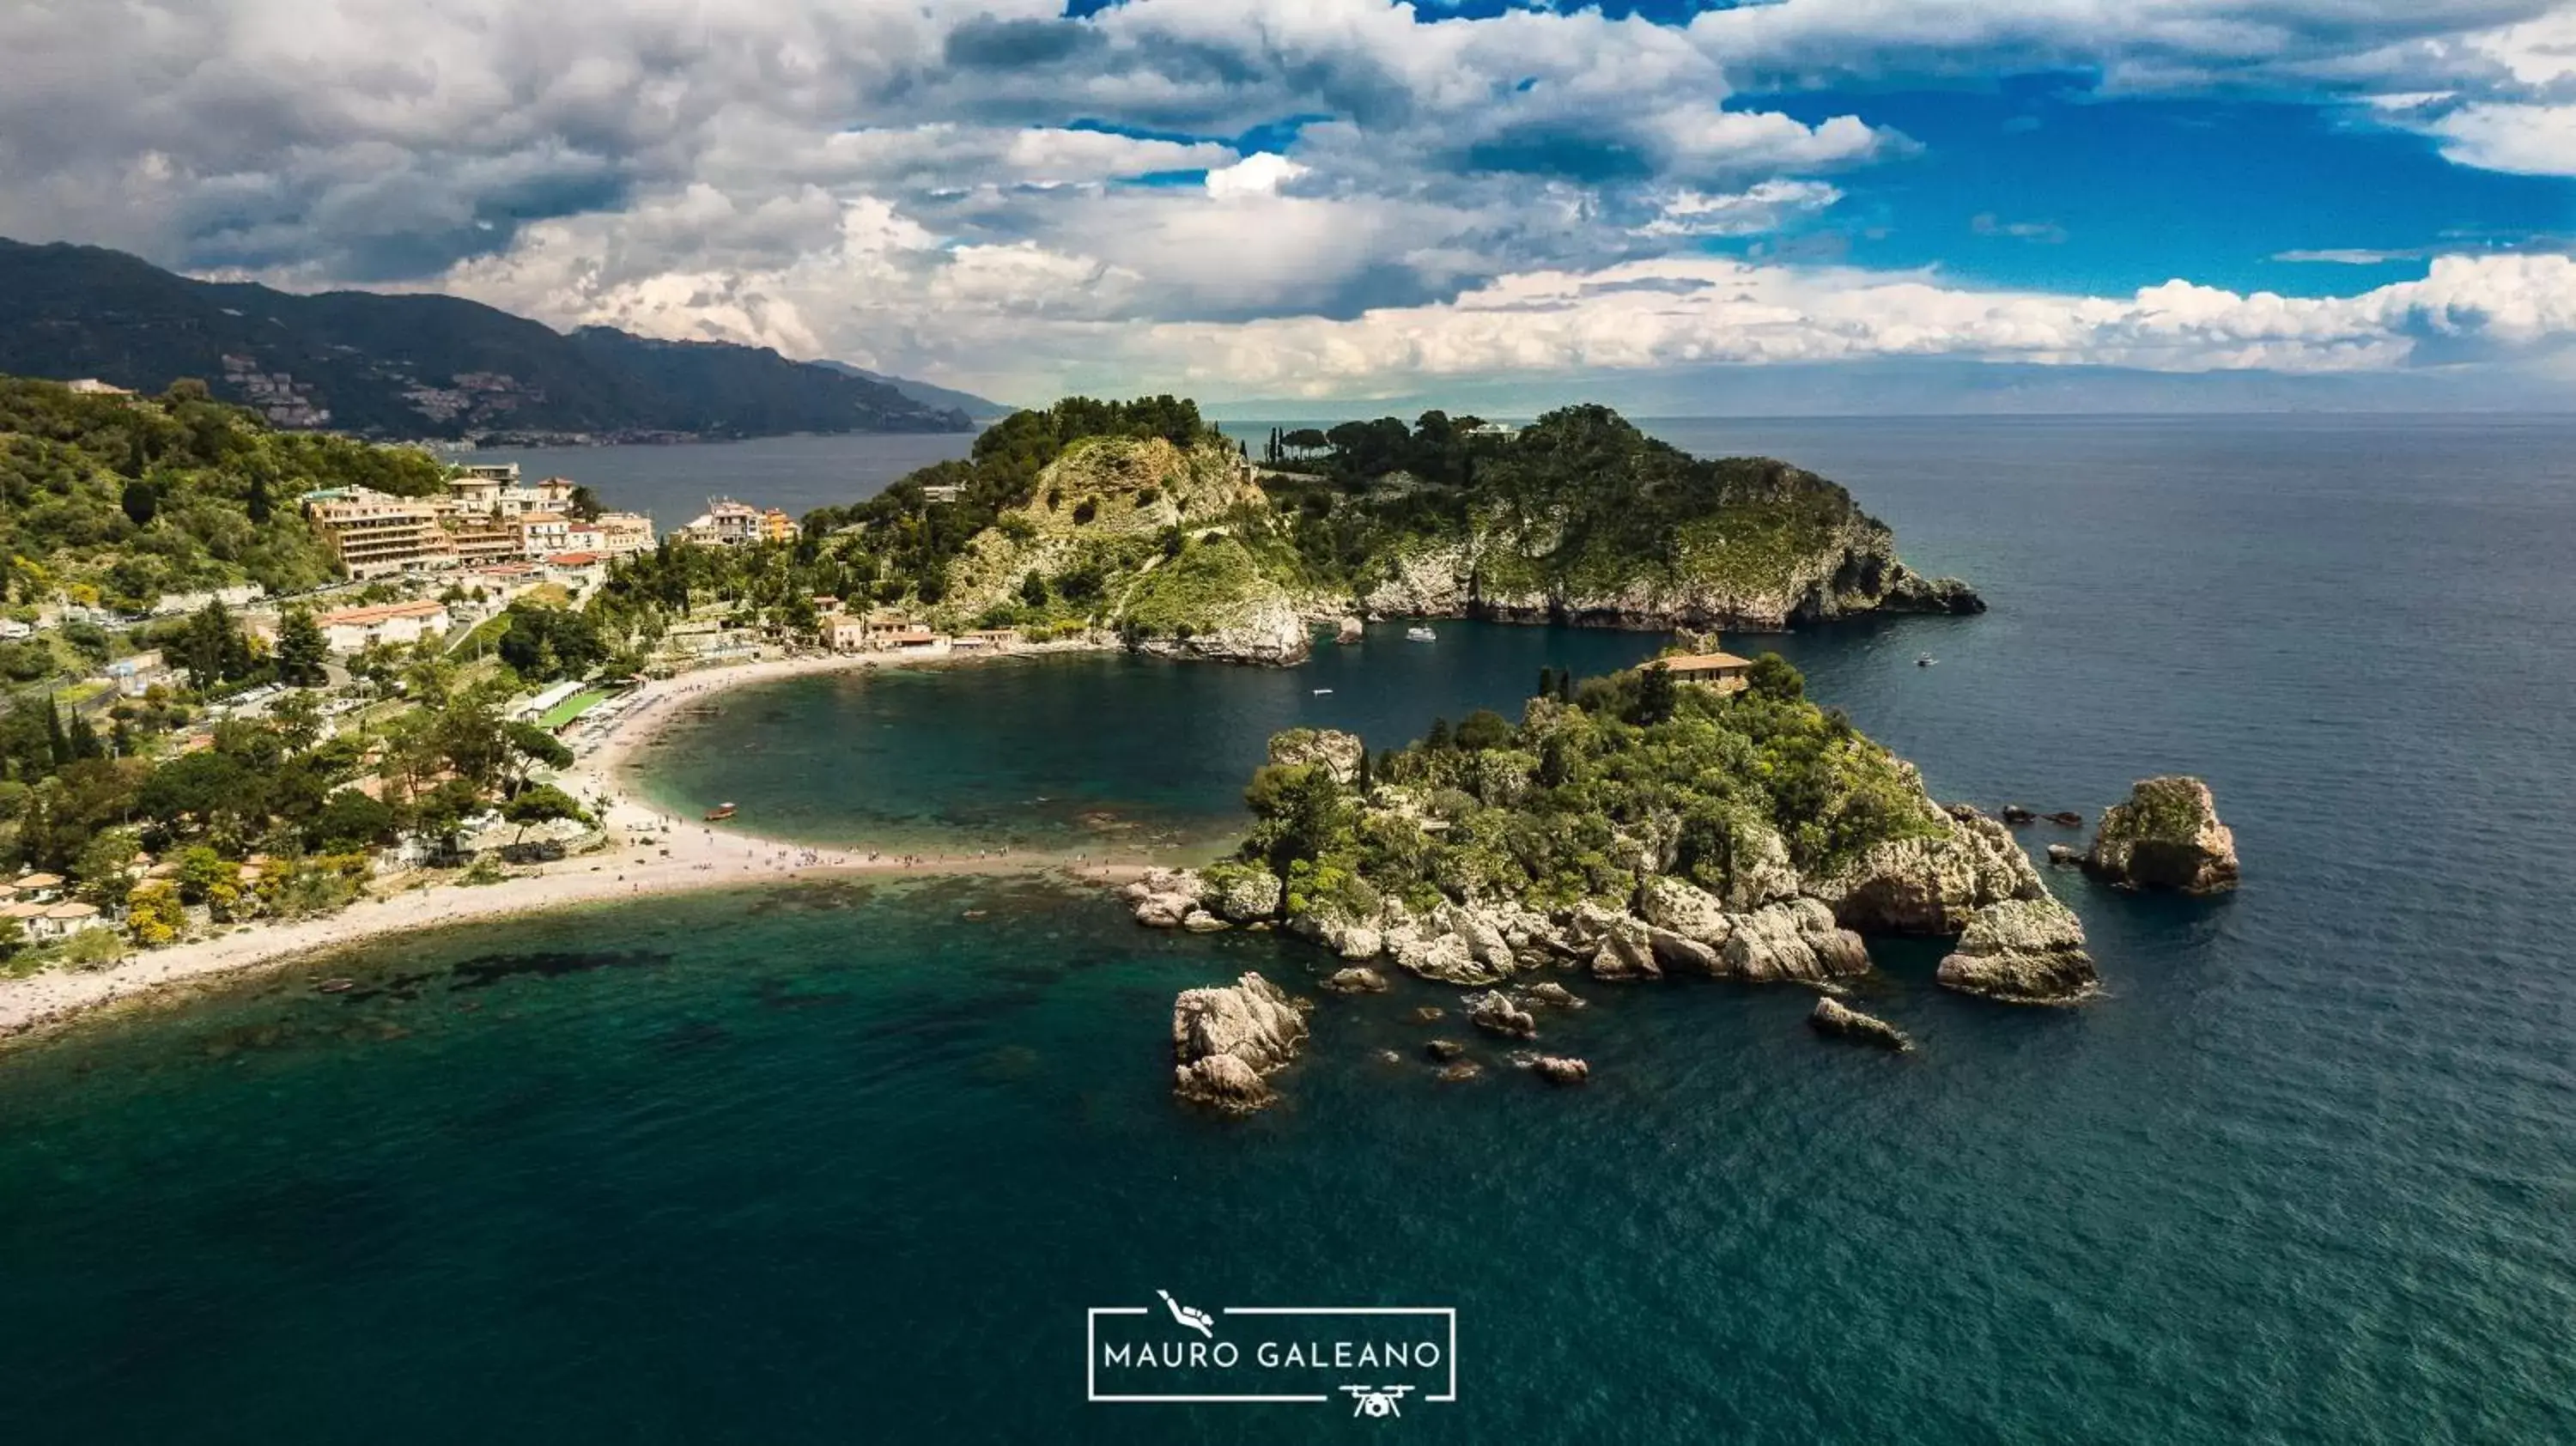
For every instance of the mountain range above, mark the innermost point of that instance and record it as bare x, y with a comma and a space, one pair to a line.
423, 366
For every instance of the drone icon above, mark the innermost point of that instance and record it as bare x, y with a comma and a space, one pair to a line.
1376, 1401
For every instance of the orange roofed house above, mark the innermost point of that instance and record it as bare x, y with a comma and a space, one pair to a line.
1723, 671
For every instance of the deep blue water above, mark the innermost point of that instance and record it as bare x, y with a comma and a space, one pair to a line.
672, 484
847, 1163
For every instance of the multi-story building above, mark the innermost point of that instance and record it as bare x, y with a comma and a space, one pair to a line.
622, 534
352, 630
727, 523
777, 526
543, 534
483, 539
374, 534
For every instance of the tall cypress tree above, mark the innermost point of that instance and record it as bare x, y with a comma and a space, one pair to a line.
57, 744
83, 738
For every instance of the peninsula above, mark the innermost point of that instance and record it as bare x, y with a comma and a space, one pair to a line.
210, 787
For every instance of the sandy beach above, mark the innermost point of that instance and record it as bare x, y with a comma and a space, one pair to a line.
651, 853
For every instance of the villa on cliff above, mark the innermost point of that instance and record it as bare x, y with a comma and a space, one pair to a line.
1725, 672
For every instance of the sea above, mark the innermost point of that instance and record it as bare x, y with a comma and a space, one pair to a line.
858, 1161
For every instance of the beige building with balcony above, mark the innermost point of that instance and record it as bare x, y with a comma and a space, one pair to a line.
374, 534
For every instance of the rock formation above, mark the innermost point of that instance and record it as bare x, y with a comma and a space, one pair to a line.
1356, 980
1263, 628
1795, 940
1561, 1069
1550, 992
1226, 1040
1496, 1012
2167, 836
1841, 563
1832, 1016
1337, 752
1930, 884
2022, 951
1243, 893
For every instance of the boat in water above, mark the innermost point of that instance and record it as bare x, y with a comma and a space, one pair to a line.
1924, 660
1420, 635
720, 813
1323, 692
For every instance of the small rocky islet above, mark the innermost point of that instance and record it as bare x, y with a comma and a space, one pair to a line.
1592, 838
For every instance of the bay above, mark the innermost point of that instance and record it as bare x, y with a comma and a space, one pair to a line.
846, 1163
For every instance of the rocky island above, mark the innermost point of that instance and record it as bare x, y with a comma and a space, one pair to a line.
2166, 836
1632, 827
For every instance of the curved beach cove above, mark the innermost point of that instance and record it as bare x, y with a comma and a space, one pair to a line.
847, 1159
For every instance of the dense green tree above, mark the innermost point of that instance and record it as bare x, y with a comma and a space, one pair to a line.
1772, 677
1657, 695
350, 820
303, 654
544, 643
1482, 730
214, 650
544, 803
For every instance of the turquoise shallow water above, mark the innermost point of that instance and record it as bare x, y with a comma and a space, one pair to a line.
843, 1163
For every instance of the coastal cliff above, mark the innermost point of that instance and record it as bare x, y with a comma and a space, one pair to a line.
1734, 570
1582, 518
1138, 520
1136, 536
1632, 827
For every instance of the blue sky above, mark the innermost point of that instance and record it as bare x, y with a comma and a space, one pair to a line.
1351, 199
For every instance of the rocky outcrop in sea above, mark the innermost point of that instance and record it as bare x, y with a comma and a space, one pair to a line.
2022, 951
2166, 836
1265, 629
1226, 1041
1559, 1069
1832, 1016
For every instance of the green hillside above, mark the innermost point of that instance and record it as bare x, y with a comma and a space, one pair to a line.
118, 501
411, 366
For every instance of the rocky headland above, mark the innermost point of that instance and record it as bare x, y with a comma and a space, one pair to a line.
1177, 543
